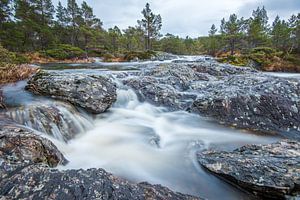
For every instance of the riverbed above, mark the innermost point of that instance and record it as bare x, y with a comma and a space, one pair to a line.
140, 141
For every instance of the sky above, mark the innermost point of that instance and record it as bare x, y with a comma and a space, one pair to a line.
185, 17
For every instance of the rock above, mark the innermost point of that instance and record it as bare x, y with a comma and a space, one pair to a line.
217, 69
162, 56
21, 145
252, 101
60, 120
269, 171
39, 182
235, 96
93, 93
165, 85
25, 173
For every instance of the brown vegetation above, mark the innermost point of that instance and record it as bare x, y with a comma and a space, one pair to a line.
37, 58
10, 73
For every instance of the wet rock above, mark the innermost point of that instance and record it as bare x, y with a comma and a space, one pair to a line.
149, 88
21, 145
235, 96
252, 101
40, 182
217, 69
163, 56
93, 93
60, 120
270, 171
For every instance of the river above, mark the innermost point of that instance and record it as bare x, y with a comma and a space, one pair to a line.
139, 141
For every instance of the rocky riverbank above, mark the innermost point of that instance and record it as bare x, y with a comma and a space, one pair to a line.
240, 97
26, 161
270, 171
93, 93
235, 96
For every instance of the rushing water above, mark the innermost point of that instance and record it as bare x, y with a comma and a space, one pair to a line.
143, 142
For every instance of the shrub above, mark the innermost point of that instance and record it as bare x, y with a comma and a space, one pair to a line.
7, 57
264, 50
64, 51
141, 55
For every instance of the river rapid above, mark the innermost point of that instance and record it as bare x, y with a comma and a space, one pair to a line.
139, 141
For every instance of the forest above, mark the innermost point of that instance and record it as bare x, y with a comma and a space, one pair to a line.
63, 32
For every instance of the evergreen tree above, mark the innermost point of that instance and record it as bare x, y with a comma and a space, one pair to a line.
281, 35
89, 23
134, 38
151, 24
294, 24
233, 31
74, 19
62, 15
25, 14
115, 35
212, 40
5, 11
258, 28
44, 11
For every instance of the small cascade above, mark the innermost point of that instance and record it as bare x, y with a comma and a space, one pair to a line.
59, 120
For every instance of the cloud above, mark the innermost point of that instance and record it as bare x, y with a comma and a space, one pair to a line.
283, 8
184, 17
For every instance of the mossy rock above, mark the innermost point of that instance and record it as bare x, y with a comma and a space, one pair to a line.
141, 55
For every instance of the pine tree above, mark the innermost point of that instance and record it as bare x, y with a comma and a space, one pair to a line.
258, 28
5, 11
89, 23
44, 11
74, 19
281, 35
62, 15
115, 35
294, 24
212, 40
233, 31
151, 24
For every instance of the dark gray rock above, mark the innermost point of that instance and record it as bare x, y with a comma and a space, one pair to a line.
40, 182
252, 101
60, 120
270, 171
25, 173
235, 96
217, 69
150, 89
93, 93
162, 56
21, 145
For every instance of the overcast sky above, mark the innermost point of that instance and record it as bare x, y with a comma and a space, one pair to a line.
185, 17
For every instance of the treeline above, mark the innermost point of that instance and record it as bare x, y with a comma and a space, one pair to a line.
239, 34
36, 25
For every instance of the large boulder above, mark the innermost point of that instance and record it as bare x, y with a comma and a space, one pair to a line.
40, 182
270, 171
150, 89
94, 93
59, 120
21, 145
165, 85
252, 101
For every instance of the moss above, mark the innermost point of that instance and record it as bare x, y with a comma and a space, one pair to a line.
64, 51
236, 60
141, 55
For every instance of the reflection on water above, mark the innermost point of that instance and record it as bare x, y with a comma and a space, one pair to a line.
142, 142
